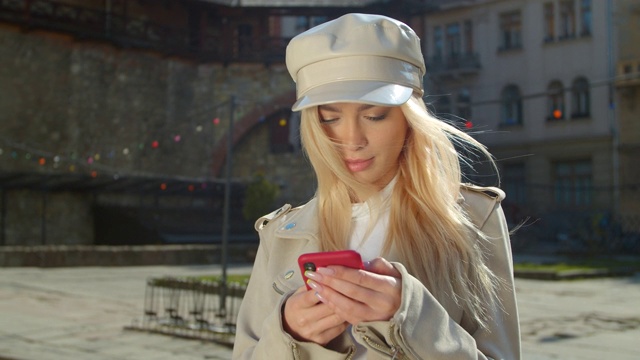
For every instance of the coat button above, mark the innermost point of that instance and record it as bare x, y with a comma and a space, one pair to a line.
289, 226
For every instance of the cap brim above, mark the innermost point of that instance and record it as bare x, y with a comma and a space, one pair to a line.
358, 91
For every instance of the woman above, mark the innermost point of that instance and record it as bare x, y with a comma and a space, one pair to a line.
438, 278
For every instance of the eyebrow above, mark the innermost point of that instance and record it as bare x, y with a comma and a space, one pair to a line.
329, 107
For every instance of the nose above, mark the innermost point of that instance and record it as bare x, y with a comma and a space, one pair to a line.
353, 134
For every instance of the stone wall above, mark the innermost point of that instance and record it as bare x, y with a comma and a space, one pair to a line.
70, 106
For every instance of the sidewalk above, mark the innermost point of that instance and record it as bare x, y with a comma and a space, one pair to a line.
81, 313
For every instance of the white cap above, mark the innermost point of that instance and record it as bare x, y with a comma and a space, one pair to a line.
361, 58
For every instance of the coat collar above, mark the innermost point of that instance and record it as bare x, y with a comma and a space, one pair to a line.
300, 222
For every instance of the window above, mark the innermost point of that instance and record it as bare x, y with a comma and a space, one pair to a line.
586, 18
437, 43
567, 20
572, 183
549, 22
580, 99
468, 37
514, 180
463, 103
511, 102
245, 39
302, 24
443, 107
555, 101
510, 31
306, 22
453, 41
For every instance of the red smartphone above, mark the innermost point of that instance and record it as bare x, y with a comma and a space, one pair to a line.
312, 261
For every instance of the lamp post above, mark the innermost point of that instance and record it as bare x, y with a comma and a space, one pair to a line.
226, 212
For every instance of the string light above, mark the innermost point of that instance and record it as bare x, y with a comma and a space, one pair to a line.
75, 160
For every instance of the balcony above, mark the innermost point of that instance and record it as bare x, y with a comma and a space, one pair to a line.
628, 74
213, 43
454, 65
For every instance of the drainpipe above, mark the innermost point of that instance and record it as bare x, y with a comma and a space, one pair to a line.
613, 120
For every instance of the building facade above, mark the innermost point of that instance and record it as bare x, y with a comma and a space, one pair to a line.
534, 80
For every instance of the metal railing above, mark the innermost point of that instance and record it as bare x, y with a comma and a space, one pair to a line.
130, 32
191, 308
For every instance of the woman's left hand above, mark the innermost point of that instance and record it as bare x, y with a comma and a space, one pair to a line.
373, 294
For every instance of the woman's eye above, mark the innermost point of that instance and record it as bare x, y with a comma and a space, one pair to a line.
327, 120
376, 118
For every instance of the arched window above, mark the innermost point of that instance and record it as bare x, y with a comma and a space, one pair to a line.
555, 101
580, 99
511, 102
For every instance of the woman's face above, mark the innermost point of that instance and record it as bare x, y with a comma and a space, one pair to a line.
370, 138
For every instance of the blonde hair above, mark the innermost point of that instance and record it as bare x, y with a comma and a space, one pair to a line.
439, 243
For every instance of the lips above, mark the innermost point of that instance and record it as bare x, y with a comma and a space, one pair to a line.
356, 165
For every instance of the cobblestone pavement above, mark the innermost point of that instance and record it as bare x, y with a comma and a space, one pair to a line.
81, 313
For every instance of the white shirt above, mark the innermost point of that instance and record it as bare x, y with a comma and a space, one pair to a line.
369, 246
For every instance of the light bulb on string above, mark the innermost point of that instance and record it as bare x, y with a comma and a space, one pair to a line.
177, 138
94, 174
42, 161
199, 128
90, 160
125, 151
282, 122
155, 144
216, 121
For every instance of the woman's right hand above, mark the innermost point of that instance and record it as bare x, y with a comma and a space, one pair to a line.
306, 318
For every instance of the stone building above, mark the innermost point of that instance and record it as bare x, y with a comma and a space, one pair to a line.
115, 115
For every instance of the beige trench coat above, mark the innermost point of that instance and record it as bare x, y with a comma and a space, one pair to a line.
422, 328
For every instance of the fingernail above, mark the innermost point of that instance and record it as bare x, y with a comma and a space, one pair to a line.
367, 264
320, 297
312, 275
314, 285
326, 271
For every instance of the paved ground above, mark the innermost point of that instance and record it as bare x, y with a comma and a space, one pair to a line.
81, 313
